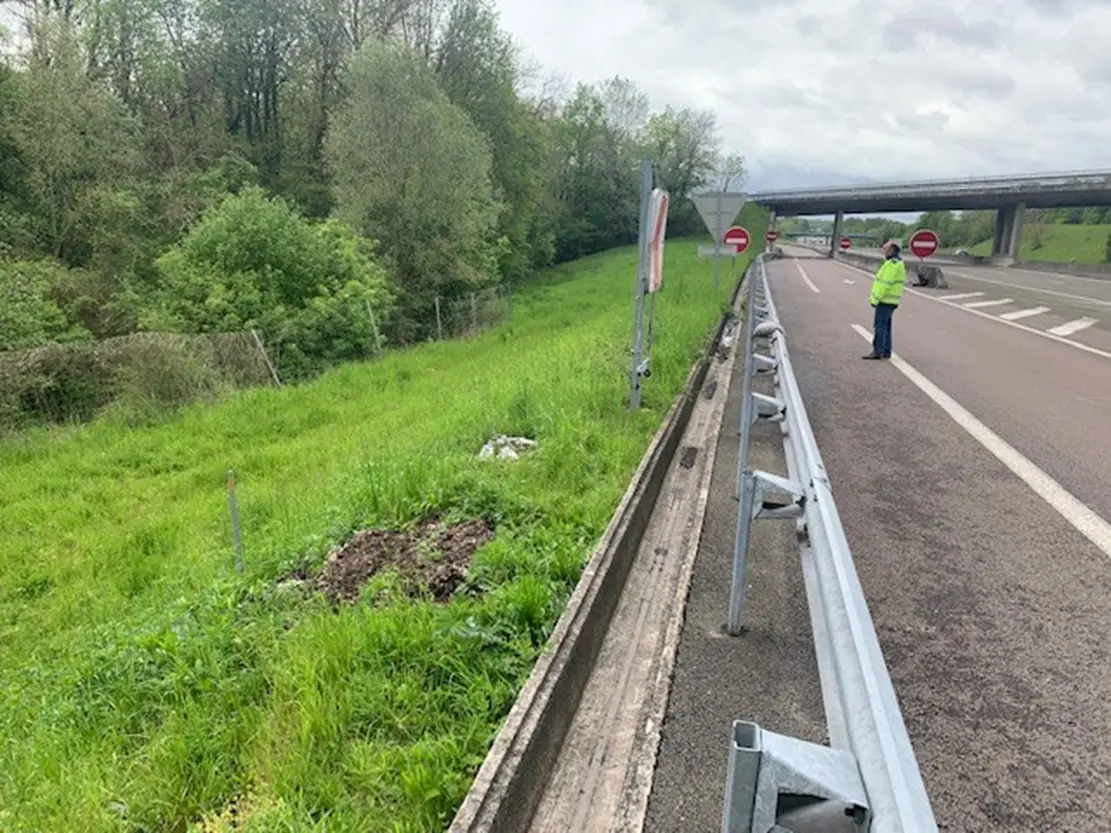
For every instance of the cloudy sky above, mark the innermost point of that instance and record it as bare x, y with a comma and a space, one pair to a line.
827, 91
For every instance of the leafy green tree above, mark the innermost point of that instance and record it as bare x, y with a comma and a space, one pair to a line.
256, 262
417, 181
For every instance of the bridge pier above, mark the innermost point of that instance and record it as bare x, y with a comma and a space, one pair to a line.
1008, 231
835, 238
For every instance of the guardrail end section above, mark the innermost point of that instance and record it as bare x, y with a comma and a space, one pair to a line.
771, 774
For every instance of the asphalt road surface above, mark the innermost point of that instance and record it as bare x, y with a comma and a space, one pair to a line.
973, 476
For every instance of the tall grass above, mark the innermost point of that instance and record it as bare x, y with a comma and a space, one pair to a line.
144, 685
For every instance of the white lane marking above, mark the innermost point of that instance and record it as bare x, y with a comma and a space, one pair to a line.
963, 295
1037, 289
1083, 519
1023, 313
850, 283
1040, 333
1073, 326
805, 276
998, 303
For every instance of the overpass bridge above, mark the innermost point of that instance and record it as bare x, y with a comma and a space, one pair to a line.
1008, 196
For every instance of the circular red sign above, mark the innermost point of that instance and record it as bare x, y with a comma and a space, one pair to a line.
737, 236
771, 236
845, 244
924, 243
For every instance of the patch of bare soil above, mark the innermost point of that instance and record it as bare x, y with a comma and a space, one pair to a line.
433, 559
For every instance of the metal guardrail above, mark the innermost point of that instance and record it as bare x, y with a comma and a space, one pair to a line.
868, 772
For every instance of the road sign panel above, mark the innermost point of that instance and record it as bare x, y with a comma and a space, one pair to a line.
771, 236
925, 242
718, 211
845, 244
737, 236
657, 228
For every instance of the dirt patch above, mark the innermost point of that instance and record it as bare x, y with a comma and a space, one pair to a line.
432, 558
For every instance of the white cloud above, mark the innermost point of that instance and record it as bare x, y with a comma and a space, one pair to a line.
812, 91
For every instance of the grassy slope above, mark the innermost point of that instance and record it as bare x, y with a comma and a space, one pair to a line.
144, 684
1061, 244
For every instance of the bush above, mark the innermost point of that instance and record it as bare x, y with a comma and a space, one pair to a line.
257, 263
28, 315
141, 376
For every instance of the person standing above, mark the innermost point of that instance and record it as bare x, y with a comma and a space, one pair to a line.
887, 291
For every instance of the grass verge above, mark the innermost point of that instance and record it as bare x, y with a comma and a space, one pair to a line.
1059, 244
147, 686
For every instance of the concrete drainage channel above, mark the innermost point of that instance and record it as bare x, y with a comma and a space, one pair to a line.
577, 751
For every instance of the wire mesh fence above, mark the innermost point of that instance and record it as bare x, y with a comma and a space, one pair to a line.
73, 382
147, 371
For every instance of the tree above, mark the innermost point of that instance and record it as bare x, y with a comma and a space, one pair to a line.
476, 66
255, 262
686, 149
412, 172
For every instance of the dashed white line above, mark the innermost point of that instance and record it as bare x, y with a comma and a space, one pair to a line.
962, 295
998, 303
1024, 313
805, 276
1074, 326
1079, 515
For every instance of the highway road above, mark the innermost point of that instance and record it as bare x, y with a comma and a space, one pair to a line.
973, 476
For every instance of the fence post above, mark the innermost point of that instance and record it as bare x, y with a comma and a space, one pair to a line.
266, 358
233, 509
439, 321
474, 311
374, 327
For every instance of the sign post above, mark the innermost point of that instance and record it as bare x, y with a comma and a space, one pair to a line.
650, 266
845, 244
718, 210
925, 243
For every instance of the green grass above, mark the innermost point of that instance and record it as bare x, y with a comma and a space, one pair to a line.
1060, 244
144, 684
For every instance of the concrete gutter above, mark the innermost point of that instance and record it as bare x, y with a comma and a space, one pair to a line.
508, 787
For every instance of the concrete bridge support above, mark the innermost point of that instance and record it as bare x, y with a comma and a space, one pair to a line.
1008, 231
835, 237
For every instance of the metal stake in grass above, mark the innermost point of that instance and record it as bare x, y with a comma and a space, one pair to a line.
233, 508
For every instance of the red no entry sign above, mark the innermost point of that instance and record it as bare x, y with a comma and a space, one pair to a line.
737, 236
771, 236
924, 243
845, 244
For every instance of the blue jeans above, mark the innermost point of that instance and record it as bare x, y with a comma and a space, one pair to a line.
881, 340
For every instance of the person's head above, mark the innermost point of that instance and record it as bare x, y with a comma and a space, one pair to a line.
890, 249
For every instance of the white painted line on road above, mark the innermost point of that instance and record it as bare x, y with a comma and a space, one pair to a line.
805, 276
1095, 351
963, 295
998, 303
1038, 289
1024, 313
1074, 326
850, 283
1088, 523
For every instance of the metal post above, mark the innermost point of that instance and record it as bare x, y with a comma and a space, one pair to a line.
374, 327
739, 586
439, 321
266, 358
717, 243
233, 509
642, 282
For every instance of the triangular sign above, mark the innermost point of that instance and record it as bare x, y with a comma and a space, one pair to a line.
719, 216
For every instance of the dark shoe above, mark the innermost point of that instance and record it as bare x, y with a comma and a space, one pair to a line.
886, 356
872, 356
